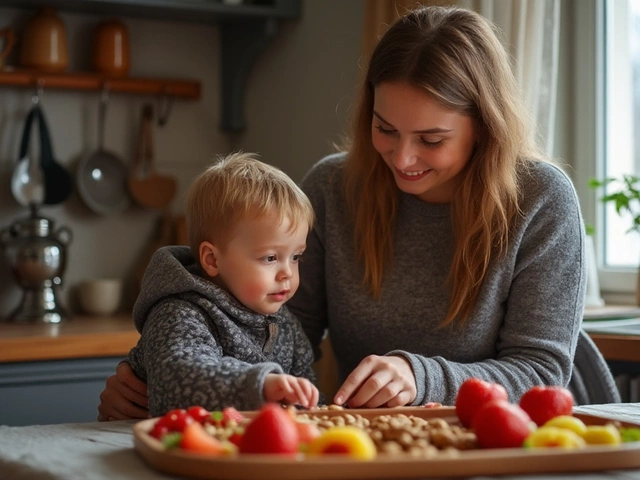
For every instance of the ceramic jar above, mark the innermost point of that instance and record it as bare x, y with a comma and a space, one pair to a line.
111, 49
44, 43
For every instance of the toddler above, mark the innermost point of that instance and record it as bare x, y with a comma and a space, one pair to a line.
214, 328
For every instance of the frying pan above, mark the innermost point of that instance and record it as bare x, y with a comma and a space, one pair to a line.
101, 176
27, 185
57, 181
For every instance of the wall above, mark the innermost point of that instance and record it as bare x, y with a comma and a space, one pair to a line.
297, 101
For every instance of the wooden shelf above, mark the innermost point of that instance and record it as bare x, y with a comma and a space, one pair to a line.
246, 31
187, 89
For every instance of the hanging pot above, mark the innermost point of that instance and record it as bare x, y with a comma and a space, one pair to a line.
57, 181
27, 184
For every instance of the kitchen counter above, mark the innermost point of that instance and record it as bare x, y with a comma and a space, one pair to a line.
54, 373
104, 451
79, 337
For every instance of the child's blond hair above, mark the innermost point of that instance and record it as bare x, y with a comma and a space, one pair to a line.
236, 187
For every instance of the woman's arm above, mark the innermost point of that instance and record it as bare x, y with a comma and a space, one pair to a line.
124, 396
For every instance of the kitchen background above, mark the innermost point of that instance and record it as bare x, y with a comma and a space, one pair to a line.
297, 103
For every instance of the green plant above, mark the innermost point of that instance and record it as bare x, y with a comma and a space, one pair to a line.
626, 198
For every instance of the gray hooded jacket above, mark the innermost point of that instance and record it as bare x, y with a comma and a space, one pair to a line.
200, 346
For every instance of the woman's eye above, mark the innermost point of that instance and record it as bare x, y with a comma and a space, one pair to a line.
430, 144
384, 131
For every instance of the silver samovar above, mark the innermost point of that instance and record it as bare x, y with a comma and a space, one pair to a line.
37, 257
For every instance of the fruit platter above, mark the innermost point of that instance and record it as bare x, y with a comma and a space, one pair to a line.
483, 434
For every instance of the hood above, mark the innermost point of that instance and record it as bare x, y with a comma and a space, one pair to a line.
174, 272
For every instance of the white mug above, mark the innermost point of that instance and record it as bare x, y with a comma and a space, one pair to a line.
101, 296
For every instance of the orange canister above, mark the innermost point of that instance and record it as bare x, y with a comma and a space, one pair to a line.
111, 48
44, 43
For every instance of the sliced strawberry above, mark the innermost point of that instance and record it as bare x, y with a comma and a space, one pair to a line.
230, 413
196, 439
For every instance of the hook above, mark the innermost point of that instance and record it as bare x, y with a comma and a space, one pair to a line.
37, 96
104, 95
164, 109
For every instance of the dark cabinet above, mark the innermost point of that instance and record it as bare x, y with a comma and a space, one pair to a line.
56, 391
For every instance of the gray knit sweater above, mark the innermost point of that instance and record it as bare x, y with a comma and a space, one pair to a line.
200, 346
524, 328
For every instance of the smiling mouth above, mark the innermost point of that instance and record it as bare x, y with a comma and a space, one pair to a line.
414, 175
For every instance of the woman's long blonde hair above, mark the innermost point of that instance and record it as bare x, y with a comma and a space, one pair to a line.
456, 57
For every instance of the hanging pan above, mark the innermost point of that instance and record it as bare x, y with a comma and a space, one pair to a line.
101, 176
27, 185
57, 181
147, 187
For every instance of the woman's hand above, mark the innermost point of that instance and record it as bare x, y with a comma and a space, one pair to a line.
289, 389
379, 381
124, 397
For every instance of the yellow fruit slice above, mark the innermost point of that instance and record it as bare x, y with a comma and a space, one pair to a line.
547, 436
602, 435
347, 440
569, 423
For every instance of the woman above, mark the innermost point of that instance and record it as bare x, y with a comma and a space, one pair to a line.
446, 246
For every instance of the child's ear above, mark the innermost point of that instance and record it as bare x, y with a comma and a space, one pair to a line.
208, 260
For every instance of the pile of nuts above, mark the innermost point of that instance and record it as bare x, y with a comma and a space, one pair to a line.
398, 433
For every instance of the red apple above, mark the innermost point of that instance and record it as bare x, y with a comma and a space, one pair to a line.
473, 394
543, 403
500, 424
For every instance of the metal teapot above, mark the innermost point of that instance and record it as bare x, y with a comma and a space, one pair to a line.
37, 257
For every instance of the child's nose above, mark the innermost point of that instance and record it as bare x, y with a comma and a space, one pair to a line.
285, 272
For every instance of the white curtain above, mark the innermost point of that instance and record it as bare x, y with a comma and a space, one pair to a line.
531, 34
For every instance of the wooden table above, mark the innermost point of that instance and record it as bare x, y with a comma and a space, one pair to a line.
80, 337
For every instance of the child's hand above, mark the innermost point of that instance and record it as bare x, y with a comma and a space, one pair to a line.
289, 389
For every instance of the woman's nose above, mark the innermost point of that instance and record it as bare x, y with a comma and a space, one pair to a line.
404, 154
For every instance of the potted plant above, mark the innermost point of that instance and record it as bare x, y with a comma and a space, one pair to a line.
626, 200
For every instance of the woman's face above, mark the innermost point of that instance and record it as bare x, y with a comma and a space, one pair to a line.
425, 145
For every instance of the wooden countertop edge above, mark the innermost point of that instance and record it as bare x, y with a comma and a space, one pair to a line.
625, 348
86, 345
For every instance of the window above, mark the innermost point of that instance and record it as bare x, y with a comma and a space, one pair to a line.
599, 80
621, 129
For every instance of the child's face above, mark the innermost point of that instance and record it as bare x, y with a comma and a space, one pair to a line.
259, 265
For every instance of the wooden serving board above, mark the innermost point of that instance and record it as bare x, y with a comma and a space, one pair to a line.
334, 467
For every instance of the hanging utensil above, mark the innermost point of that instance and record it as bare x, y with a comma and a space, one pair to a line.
27, 184
101, 176
57, 181
148, 188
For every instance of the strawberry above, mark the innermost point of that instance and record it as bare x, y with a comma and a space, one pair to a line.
199, 414
235, 439
271, 431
